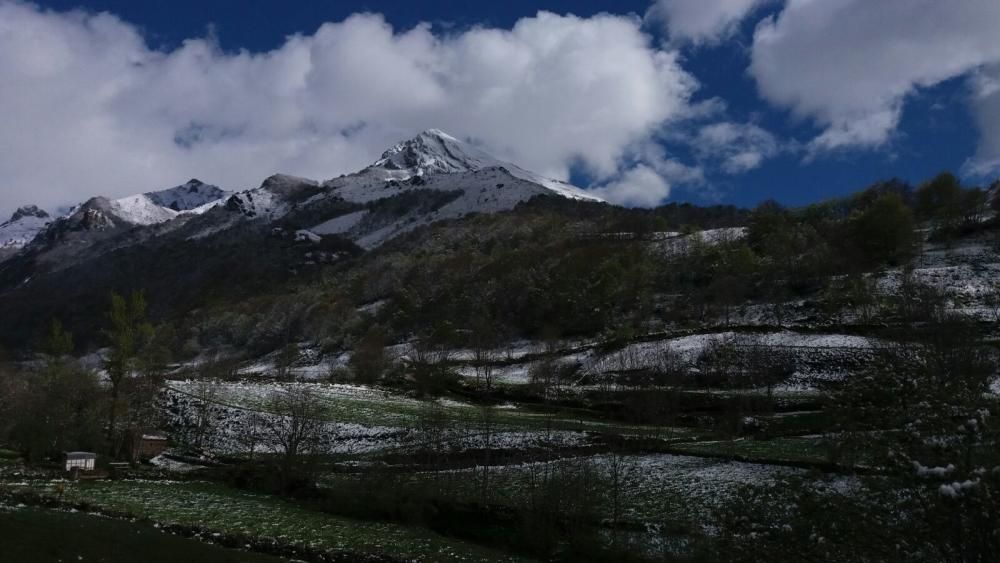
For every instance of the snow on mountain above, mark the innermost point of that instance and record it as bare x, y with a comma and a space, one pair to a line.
153, 208
470, 181
339, 225
97, 219
140, 210
488, 190
432, 152
436, 152
433, 160
191, 196
274, 198
22, 227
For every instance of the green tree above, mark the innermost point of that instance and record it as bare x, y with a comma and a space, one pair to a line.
368, 360
130, 336
60, 342
56, 408
884, 232
974, 203
940, 200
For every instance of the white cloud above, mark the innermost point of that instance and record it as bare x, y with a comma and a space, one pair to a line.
702, 21
641, 186
90, 108
735, 147
986, 108
850, 64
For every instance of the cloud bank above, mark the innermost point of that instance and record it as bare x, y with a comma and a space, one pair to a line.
91, 109
702, 22
849, 65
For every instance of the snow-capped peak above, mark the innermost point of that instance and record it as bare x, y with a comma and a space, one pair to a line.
23, 226
99, 213
28, 211
433, 152
188, 196
141, 210
437, 152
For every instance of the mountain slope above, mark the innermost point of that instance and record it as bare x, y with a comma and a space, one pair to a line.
429, 178
436, 152
433, 161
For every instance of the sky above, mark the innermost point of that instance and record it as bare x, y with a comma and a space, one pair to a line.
706, 101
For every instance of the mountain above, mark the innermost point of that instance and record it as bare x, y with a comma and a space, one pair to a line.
457, 179
22, 227
195, 242
189, 196
428, 178
100, 224
436, 152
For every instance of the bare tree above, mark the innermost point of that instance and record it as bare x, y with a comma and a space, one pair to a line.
487, 418
204, 410
485, 356
12, 389
428, 359
622, 472
991, 298
286, 359
295, 427
369, 359
250, 434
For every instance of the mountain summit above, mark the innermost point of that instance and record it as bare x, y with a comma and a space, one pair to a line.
188, 196
431, 177
433, 152
26, 222
436, 152
29, 211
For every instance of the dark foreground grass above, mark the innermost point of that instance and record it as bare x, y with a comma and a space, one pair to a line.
36, 535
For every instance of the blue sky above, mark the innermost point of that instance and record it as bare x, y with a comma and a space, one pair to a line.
734, 127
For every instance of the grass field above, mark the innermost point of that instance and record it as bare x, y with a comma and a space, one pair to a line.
228, 511
33, 535
657, 488
806, 449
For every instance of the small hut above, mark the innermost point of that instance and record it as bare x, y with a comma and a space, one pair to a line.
151, 445
80, 461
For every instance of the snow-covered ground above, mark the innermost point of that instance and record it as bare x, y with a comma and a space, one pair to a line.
816, 356
966, 272
356, 420
166, 463
676, 244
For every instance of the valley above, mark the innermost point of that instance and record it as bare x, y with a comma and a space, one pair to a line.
444, 357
